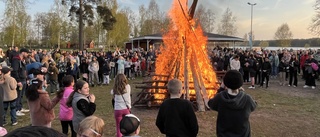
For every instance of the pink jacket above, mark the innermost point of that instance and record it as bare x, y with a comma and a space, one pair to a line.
66, 113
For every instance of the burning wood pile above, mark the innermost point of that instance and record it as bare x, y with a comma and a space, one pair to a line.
183, 56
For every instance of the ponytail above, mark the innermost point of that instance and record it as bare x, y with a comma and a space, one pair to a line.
69, 102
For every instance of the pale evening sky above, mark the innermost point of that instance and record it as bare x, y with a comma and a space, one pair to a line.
268, 15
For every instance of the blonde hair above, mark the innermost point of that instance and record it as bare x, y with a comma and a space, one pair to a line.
120, 84
92, 123
174, 86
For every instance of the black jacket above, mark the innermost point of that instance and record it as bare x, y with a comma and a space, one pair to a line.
233, 113
266, 67
18, 69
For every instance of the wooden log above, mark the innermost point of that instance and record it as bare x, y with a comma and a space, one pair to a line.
185, 74
200, 103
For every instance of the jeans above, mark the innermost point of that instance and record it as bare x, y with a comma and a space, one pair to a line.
20, 95
12, 104
274, 70
92, 76
118, 114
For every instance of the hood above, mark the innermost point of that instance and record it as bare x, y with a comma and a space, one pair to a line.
234, 102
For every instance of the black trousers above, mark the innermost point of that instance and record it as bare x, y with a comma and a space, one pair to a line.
310, 80
64, 125
257, 78
60, 76
293, 77
265, 75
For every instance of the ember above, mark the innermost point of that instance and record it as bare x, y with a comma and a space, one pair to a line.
183, 56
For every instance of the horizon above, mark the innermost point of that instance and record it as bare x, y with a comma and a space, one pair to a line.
266, 18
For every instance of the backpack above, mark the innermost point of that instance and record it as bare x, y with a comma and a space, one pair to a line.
314, 66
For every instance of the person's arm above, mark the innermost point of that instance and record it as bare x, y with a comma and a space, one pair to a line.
45, 101
160, 121
253, 104
192, 120
15, 69
87, 108
214, 102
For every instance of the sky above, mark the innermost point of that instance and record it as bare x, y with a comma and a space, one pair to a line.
268, 15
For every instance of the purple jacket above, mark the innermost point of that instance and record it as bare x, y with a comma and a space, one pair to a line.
66, 113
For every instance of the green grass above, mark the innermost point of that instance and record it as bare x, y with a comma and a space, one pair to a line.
279, 113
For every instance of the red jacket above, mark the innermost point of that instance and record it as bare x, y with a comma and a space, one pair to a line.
303, 60
143, 65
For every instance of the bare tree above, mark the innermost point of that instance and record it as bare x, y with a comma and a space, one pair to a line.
227, 24
314, 27
206, 18
283, 35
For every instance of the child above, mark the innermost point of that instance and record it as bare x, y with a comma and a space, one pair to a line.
82, 103
40, 104
66, 113
143, 67
233, 106
130, 126
91, 126
53, 77
9, 92
176, 116
106, 71
121, 92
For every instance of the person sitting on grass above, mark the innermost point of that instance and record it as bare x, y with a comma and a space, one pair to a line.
40, 104
130, 126
91, 126
234, 107
176, 116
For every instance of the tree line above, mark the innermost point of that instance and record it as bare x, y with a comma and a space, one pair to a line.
79, 22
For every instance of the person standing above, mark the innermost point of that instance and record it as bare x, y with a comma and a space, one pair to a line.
311, 74
82, 103
121, 63
293, 71
274, 60
176, 116
9, 89
19, 74
266, 69
66, 113
122, 99
234, 107
93, 71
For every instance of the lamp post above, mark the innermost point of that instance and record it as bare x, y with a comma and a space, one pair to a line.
251, 4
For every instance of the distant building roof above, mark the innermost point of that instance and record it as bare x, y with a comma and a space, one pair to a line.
211, 38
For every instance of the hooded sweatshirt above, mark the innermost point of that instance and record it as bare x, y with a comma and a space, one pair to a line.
233, 113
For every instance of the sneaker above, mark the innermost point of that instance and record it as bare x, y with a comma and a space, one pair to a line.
5, 123
251, 87
19, 113
27, 110
313, 87
289, 85
305, 86
15, 123
294, 86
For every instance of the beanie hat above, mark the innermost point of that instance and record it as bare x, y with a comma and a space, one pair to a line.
129, 124
5, 70
233, 79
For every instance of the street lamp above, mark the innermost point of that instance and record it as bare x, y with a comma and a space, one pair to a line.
251, 4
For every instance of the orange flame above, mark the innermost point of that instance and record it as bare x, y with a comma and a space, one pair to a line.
183, 35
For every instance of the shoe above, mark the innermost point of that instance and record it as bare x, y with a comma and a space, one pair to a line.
305, 86
5, 123
251, 87
294, 86
25, 110
15, 123
313, 87
19, 113
289, 85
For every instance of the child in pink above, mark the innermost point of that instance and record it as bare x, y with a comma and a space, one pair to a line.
66, 113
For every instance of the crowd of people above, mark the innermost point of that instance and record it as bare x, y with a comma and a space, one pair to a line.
258, 67
69, 76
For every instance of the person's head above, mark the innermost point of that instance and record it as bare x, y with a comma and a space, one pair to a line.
38, 74
24, 52
5, 70
32, 93
174, 87
68, 81
82, 87
130, 125
120, 84
35, 131
233, 79
266, 59
91, 126
94, 58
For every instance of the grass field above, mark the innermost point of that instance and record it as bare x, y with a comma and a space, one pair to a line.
282, 111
